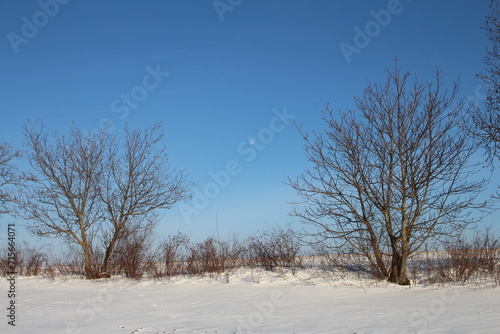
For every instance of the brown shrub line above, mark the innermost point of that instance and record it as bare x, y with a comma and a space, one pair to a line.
460, 259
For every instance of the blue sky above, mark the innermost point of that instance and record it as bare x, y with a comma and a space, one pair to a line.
217, 77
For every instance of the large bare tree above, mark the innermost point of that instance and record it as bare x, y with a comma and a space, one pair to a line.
91, 192
391, 174
487, 119
8, 175
60, 197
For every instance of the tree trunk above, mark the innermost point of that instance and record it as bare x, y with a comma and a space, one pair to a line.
379, 261
89, 270
398, 269
382, 271
109, 252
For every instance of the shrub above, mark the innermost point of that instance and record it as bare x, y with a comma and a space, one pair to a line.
28, 260
461, 260
471, 258
170, 257
276, 247
133, 253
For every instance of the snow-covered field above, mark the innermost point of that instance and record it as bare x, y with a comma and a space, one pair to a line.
306, 303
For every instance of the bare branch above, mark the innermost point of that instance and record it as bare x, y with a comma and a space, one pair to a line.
486, 120
8, 175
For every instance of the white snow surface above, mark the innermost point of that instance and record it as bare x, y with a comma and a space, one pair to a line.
252, 302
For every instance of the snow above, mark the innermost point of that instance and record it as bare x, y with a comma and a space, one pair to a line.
252, 302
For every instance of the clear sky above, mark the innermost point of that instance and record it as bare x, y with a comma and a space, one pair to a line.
226, 78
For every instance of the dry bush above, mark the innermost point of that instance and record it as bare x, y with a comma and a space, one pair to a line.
29, 260
475, 258
213, 256
272, 248
170, 257
204, 258
4, 261
461, 260
134, 252
35, 259
232, 252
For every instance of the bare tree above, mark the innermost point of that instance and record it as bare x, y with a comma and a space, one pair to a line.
390, 175
90, 191
8, 175
139, 181
487, 119
60, 197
